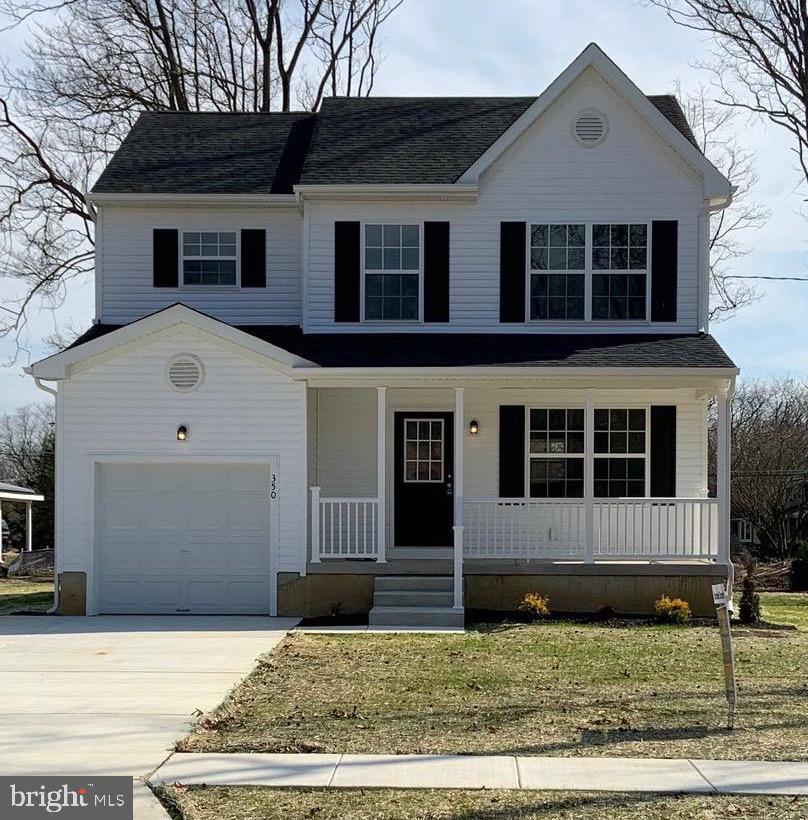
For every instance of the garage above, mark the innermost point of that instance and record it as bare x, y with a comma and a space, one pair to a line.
182, 538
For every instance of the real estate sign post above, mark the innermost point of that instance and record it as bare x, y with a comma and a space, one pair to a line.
722, 606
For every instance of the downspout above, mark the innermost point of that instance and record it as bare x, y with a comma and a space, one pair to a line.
53, 610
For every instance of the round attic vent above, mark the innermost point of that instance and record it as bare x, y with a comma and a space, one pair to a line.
589, 127
185, 372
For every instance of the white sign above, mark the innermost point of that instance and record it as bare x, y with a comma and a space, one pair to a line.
720, 594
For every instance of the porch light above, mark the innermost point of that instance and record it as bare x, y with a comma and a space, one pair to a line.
182, 433
474, 427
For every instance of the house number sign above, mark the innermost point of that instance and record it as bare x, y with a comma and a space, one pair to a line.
273, 487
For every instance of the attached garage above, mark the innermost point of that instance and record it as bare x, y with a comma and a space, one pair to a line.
182, 538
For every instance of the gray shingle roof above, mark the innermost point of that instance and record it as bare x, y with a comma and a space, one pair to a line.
484, 349
379, 140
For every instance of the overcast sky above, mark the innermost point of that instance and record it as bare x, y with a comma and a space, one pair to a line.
445, 47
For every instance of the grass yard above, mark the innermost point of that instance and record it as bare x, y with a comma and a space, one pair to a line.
556, 688
25, 595
245, 803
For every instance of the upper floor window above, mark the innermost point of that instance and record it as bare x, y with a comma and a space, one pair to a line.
619, 271
557, 289
209, 258
392, 272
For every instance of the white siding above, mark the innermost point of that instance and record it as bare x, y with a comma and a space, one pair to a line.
125, 264
125, 407
544, 177
347, 433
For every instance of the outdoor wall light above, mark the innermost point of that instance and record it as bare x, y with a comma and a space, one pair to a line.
474, 427
182, 433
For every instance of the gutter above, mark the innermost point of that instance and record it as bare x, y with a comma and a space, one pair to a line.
264, 200
452, 191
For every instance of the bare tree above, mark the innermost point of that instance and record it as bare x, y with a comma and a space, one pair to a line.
760, 58
91, 66
770, 460
715, 128
26, 459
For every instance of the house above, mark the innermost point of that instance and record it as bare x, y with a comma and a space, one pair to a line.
402, 355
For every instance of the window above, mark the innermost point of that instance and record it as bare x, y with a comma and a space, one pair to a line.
423, 450
622, 250
620, 453
555, 250
209, 258
556, 453
392, 272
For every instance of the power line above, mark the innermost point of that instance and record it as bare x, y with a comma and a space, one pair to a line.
772, 278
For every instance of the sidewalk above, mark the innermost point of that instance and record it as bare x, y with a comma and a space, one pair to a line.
618, 774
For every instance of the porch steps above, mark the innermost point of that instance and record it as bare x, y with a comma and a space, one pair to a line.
413, 601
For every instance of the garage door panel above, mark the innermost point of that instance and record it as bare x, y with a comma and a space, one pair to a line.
183, 538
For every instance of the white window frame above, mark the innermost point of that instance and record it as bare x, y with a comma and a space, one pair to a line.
645, 455
588, 273
365, 272
531, 456
556, 271
236, 258
418, 420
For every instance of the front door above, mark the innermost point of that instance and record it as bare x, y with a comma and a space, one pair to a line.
424, 489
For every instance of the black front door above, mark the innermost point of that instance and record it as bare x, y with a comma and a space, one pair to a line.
424, 489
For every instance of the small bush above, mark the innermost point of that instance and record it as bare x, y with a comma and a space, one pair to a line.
605, 613
749, 609
672, 610
799, 569
535, 604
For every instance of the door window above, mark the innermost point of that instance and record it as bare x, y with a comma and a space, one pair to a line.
423, 450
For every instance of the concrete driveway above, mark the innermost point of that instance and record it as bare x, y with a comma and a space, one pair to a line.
111, 694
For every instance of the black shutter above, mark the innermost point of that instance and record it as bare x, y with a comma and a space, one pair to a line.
436, 271
165, 257
511, 451
663, 451
346, 271
512, 241
253, 258
664, 270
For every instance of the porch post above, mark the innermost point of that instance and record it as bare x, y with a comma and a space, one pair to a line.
589, 478
459, 440
29, 530
315, 525
381, 472
723, 470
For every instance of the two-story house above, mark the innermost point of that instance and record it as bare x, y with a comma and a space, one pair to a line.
402, 354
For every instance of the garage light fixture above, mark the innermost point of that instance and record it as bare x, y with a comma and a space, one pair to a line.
182, 433
474, 427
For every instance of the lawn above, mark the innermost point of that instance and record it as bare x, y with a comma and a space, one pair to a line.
25, 595
556, 688
245, 803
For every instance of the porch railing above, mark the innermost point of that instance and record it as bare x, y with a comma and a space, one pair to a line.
635, 528
343, 527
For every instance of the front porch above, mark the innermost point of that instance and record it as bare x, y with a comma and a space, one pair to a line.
364, 468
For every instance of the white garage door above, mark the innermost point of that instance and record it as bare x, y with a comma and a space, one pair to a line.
191, 538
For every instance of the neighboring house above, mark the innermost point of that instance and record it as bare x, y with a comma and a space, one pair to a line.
428, 350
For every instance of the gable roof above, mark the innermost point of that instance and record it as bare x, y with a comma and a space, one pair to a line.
177, 152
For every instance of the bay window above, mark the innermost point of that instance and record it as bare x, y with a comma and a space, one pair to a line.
392, 272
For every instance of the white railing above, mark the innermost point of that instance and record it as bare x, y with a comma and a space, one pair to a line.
636, 528
343, 527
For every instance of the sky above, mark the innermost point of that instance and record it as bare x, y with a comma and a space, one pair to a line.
462, 47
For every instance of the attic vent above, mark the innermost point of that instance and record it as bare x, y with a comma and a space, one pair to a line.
589, 128
185, 372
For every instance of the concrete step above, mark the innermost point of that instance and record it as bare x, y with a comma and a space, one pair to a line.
399, 583
409, 616
413, 597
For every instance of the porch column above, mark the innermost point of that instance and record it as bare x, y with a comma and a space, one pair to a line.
29, 530
459, 440
381, 472
722, 469
589, 478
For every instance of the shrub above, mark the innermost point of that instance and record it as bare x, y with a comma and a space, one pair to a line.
672, 610
799, 569
605, 613
535, 604
749, 609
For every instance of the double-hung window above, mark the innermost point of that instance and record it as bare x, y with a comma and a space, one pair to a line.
621, 448
556, 453
619, 272
557, 271
392, 272
209, 258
